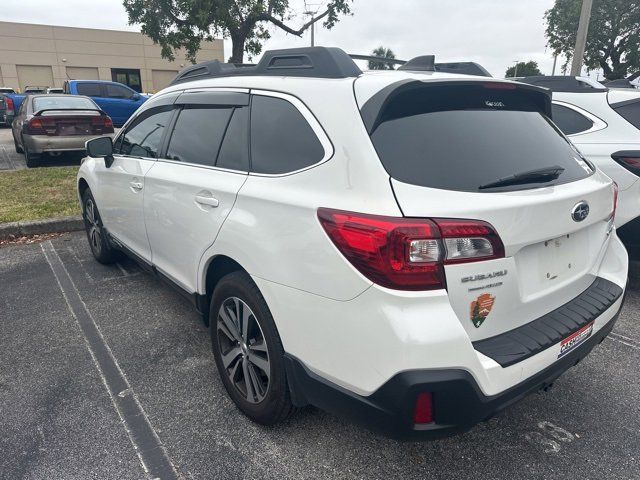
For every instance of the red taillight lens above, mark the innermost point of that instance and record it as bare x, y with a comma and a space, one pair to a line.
35, 127
629, 159
9, 103
381, 247
405, 253
423, 411
102, 124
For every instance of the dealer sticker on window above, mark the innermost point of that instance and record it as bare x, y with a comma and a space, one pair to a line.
575, 339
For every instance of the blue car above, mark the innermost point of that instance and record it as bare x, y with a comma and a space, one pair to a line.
117, 100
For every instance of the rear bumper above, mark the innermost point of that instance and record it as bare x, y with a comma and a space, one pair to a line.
44, 143
458, 401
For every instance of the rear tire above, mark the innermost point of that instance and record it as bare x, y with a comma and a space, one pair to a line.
248, 351
98, 242
18, 147
32, 159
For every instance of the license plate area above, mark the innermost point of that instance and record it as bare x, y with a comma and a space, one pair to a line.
558, 257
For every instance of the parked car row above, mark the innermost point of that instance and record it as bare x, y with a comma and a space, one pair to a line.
413, 249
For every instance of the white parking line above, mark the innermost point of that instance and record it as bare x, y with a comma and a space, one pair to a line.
151, 452
624, 340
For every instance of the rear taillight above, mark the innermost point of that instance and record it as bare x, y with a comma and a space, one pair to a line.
406, 253
35, 127
9, 105
629, 159
103, 124
423, 409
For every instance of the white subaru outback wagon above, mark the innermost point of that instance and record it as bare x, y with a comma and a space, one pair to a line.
412, 249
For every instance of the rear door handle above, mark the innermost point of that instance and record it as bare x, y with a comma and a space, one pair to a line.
207, 200
136, 185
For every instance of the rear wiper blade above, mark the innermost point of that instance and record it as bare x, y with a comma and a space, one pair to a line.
540, 175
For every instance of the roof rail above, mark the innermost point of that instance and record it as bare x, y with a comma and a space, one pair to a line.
425, 62
318, 62
563, 83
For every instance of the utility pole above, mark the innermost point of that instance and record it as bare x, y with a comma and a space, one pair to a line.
313, 27
555, 61
515, 72
581, 37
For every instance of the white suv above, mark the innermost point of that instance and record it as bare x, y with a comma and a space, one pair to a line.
412, 249
604, 124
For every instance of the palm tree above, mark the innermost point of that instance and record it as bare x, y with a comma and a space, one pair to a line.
384, 53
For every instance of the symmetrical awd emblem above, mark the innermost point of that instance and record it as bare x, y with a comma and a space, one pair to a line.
580, 211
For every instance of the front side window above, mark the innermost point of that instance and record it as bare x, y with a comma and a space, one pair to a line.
281, 139
118, 91
89, 89
198, 134
143, 137
570, 121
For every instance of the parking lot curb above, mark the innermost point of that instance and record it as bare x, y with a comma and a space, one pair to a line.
37, 227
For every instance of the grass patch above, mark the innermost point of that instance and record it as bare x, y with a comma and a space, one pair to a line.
38, 193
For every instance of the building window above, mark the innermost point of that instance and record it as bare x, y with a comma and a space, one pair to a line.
127, 76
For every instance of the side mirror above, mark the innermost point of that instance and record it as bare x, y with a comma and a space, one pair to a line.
101, 147
135, 97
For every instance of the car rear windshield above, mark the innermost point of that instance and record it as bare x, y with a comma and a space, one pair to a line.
630, 111
464, 137
62, 103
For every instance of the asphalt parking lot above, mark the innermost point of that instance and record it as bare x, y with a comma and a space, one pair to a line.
62, 417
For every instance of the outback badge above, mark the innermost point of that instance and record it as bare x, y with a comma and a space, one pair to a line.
480, 309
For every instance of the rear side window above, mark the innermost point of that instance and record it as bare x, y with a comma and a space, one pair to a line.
570, 121
89, 89
466, 136
198, 134
143, 136
630, 111
281, 139
234, 152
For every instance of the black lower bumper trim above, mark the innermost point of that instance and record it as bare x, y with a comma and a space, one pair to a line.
459, 403
532, 338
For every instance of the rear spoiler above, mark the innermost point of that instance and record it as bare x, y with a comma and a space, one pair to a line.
40, 112
373, 109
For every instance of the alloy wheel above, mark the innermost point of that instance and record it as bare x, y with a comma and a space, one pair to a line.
94, 231
243, 349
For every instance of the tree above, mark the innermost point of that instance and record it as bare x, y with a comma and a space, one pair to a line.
186, 23
384, 53
524, 69
613, 42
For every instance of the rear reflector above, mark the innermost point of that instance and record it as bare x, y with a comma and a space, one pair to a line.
406, 253
423, 411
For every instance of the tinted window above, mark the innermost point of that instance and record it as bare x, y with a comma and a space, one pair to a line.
281, 139
117, 91
631, 113
459, 138
234, 152
198, 134
89, 89
570, 121
143, 137
68, 101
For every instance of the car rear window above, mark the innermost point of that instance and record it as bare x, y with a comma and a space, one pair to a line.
62, 103
630, 111
465, 136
